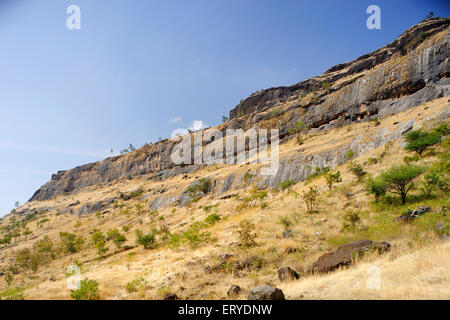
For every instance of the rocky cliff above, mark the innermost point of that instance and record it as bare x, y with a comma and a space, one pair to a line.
409, 71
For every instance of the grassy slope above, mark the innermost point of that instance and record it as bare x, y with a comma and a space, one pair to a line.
416, 267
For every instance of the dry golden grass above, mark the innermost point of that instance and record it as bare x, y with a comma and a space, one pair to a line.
422, 274
409, 271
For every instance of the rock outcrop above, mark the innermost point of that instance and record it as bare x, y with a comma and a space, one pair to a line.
346, 254
410, 71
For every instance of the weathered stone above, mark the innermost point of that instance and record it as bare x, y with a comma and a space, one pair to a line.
287, 274
411, 215
287, 234
265, 293
171, 296
346, 254
234, 291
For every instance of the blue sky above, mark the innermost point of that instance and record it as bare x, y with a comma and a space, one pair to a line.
67, 97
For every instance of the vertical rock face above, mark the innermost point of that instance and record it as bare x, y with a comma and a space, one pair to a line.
409, 71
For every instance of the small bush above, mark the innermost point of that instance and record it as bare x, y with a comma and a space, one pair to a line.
349, 155
357, 170
247, 235
351, 219
71, 243
194, 237
212, 218
377, 187
310, 197
14, 293
117, 238
88, 291
286, 185
146, 240
137, 284
333, 178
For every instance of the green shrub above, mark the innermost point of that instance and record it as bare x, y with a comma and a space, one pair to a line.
349, 155
88, 291
357, 170
285, 222
212, 218
137, 284
99, 242
318, 171
71, 243
117, 238
146, 240
202, 187
298, 129
287, 185
194, 236
377, 187
247, 235
14, 293
351, 219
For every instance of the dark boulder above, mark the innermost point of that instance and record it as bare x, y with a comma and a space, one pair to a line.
346, 254
171, 296
234, 291
265, 293
287, 274
409, 215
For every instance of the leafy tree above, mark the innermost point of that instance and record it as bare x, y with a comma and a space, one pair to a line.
224, 119
419, 141
333, 178
399, 179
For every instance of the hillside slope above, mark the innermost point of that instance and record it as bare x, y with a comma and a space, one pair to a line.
144, 228
192, 264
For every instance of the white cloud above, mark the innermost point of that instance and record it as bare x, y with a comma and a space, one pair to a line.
175, 120
197, 125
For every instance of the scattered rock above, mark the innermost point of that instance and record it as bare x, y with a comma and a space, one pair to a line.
234, 291
265, 293
411, 215
171, 296
287, 274
225, 257
287, 234
440, 226
345, 255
